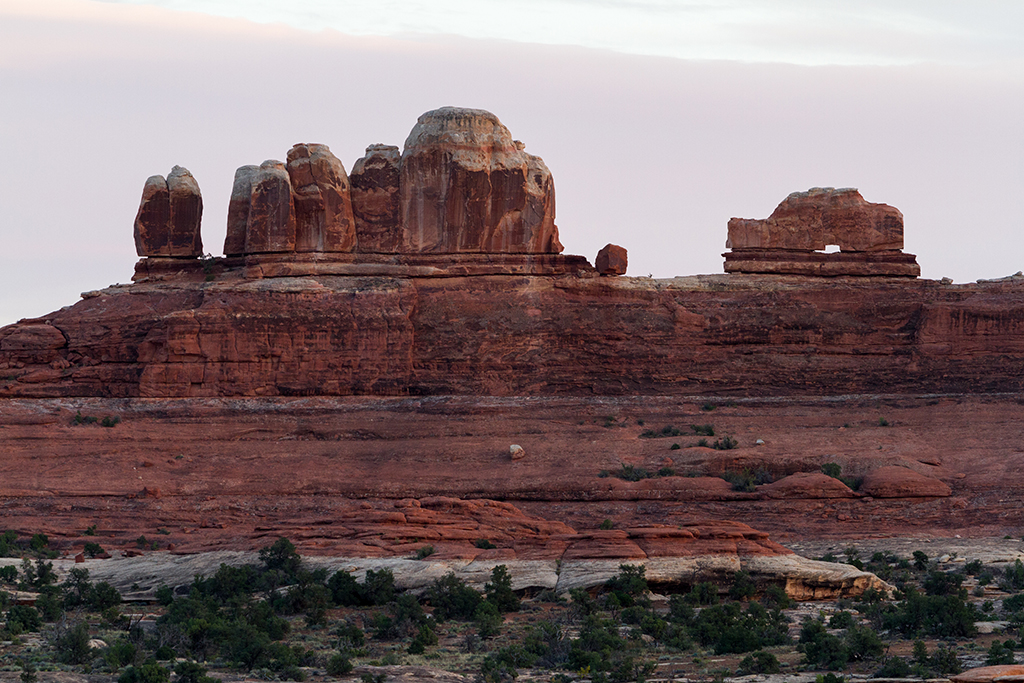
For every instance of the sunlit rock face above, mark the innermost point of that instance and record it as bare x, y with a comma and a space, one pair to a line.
467, 186
169, 217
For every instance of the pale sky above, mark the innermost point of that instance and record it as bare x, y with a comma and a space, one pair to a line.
659, 120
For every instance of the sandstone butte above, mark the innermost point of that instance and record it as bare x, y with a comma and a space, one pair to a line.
352, 375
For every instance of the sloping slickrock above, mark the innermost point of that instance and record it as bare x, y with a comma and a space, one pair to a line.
467, 186
902, 482
821, 216
990, 674
323, 206
169, 217
807, 485
375, 199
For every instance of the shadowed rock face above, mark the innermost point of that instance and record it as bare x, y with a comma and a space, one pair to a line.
467, 186
808, 221
375, 199
169, 217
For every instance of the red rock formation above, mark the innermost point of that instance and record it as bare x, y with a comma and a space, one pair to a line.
334, 335
323, 207
901, 482
467, 186
611, 260
807, 485
870, 237
375, 200
169, 217
808, 221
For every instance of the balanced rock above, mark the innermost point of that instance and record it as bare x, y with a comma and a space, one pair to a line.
611, 260
467, 186
323, 206
375, 200
261, 214
822, 216
169, 216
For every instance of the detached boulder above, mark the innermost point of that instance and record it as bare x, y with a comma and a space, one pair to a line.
169, 217
611, 260
902, 482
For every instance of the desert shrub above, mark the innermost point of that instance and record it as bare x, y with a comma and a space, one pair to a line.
378, 587
339, 665
999, 653
703, 430
72, 644
607, 525
150, 672
192, 672
452, 598
629, 586
941, 616
894, 667
8, 573
424, 552
1013, 577
841, 619
942, 583
920, 560
120, 653
92, 549
725, 444
832, 469
704, 593
743, 587
728, 628
488, 619
21, 618
9, 544
499, 590
760, 662
484, 544
775, 597
631, 473
973, 568
281, 562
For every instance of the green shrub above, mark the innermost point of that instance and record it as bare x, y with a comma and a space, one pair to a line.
760, 662
339, 665
832, 469
192, 672
607, 525
424, 552
703, 430
499, 590
8, 573
92, 549
73, 644
484, 544
726, 444
488, 619
743, 587
841, 619
150, 672
999, 653
452, 598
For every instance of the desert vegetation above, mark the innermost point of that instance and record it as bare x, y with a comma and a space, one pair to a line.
281, 620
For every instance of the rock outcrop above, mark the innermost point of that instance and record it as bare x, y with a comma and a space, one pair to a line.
792, 239
467, 186
375, 199
261, 214
169, 217
323, 205
902, 482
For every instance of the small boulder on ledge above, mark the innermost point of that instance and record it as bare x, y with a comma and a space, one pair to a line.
516, 452
611, 260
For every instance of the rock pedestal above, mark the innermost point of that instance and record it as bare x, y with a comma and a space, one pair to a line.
169, 217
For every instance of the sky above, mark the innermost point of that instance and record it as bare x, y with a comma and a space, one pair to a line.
659, 119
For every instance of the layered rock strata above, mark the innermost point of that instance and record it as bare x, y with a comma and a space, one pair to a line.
169, 217
792, 239
182, 335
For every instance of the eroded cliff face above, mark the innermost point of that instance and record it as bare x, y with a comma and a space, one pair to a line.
576, 334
